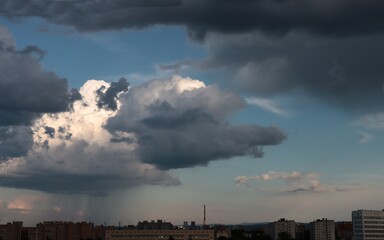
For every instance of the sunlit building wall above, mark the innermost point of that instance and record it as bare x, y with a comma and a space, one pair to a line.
368, 225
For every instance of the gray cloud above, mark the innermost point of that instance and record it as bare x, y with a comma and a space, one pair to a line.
15, 141
330, 49
58, 182
341, 18
157, 126
26, 89
50, 131
300, 182
345, 72
71, 152
6, 39
108, 97
178, 128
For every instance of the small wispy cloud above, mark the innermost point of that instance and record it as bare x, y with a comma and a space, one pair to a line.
314, 186
296, 181
348, 187
366, 137
57, 209
373, 121
269, 105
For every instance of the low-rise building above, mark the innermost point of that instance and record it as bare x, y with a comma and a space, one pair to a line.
154, 225
174, 234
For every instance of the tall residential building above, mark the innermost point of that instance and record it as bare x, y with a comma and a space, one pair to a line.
282, 225
63, 231
11, 231
368, 224
302, 231
322, 229
29, 233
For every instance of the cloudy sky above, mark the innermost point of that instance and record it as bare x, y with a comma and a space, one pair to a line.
128, 110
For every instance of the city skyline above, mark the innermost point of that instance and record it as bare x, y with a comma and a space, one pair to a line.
124, 110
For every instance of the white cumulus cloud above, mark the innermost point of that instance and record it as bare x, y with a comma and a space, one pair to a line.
114, 138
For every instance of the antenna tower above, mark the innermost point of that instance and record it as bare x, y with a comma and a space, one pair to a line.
204, 217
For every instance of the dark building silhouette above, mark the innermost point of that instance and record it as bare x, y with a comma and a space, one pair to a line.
11, 231
154, 225
344, 231
58, 230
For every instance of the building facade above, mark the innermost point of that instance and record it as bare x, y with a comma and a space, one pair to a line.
343, 230
57, 230
174, 234
11, 231
322, 229
154, 225
281, 226
368, 224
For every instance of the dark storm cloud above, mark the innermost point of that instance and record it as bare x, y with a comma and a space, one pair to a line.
50, 131
27, 90
200, 142
15, 141
328, 17
75, 95
75, 183
332, 49
179, 129
345, 72
9, 118
79, 168
108, 98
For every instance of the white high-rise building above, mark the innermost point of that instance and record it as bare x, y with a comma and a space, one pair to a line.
282, 225
322, 229
368, 225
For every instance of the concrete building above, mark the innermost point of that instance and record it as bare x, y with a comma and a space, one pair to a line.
28, 233
368, 224
11, 231
343, 230
58, 230
302, 231
174, 234
222, 231
282, 225
322, 229
154, 225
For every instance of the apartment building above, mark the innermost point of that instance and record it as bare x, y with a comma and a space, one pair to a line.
11, 231
368, 224
280, 226
322, 229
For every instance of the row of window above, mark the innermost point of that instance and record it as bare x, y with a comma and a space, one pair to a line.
146, 236
373, 226
374, 231
374, 217
158, 236
374, 236
374, 222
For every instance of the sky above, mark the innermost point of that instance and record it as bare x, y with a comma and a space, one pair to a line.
118, 111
